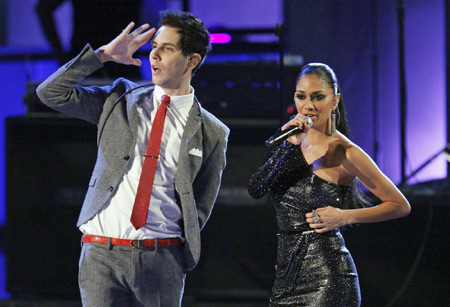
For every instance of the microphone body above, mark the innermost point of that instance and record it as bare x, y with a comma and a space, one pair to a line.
281, 136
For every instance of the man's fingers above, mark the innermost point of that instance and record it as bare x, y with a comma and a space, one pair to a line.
128, 28
149, 33
140, 29
146, 36
137, 62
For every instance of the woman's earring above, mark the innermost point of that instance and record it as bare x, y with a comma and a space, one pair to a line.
333, 122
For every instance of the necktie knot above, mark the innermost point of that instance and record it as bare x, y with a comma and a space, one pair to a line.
165, 99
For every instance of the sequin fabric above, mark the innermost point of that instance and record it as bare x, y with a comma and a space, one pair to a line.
312, 269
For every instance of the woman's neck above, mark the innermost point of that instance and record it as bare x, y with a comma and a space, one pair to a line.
315, 137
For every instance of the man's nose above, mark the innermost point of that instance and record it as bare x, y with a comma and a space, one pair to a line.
154, 54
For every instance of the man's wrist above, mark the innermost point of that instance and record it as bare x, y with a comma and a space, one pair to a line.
101, 55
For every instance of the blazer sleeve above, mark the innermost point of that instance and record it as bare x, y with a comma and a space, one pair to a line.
61, 92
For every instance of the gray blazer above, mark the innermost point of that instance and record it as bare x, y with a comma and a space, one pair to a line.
202, 151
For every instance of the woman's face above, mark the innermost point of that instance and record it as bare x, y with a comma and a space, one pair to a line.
315, 98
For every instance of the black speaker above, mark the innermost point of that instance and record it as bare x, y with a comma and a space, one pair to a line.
49, 160
246, 90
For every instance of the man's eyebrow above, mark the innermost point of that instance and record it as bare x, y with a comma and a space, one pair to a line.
166, 44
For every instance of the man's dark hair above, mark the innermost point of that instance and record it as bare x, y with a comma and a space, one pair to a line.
194, 35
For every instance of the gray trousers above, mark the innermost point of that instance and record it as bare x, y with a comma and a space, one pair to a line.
129, 276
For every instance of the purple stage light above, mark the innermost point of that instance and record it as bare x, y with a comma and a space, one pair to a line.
220, 38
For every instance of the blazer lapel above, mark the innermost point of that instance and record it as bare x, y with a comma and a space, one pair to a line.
193, 123
190, 140
132, 100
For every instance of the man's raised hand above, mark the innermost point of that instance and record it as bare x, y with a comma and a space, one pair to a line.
122, 48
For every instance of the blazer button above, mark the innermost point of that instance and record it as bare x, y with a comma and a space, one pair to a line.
126, 158
111, 188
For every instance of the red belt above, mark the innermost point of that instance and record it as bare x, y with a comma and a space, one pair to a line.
133, 243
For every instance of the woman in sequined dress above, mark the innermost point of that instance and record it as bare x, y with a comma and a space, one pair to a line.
310, 176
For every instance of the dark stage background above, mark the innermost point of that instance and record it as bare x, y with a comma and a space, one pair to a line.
49, 157
238, 255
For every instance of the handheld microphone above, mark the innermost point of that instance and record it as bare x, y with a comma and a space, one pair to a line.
281, 136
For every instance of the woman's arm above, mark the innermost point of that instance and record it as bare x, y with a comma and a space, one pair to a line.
284, 159
394, 204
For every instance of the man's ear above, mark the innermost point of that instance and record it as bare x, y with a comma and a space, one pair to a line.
194, 60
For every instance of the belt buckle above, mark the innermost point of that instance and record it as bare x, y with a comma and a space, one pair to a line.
137, 243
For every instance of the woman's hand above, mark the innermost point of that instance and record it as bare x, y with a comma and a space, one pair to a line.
326, 219
122, 48
299, 121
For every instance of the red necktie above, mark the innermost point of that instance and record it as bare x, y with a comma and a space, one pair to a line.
142, 201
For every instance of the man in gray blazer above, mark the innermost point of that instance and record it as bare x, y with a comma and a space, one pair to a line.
119, 264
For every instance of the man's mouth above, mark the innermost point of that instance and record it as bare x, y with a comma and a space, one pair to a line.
155, 69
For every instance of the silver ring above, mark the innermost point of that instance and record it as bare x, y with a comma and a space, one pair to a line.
316, 217
308, 121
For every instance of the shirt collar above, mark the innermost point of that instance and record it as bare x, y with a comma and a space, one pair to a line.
177, 102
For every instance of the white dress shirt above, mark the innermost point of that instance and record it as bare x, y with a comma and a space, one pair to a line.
164, 216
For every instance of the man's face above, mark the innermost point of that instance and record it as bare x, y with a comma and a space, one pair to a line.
170, 68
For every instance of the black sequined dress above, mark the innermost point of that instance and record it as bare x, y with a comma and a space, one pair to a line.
312, 269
